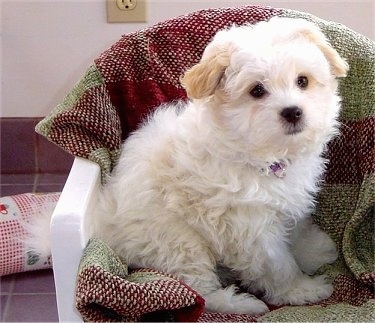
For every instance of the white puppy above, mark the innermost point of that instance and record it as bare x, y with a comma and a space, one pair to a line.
225, 177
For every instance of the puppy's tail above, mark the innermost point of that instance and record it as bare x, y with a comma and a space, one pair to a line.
37, 240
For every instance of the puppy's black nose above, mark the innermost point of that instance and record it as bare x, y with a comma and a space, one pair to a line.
292, 114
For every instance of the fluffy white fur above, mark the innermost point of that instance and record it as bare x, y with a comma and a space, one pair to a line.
38, 238
193, 187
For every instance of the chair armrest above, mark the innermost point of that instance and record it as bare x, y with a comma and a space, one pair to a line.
69, 233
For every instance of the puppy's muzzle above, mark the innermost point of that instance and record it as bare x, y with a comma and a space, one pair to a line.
292, 118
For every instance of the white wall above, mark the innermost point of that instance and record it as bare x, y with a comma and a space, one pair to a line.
46, 45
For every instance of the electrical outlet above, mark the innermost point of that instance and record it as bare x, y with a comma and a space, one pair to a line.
126, 11
126, 4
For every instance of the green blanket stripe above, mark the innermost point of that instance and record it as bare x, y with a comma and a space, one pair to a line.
98, 254
346, 212
358, 102
359, 232
340, 312
336, 204
359, 51
92, 78
105, 158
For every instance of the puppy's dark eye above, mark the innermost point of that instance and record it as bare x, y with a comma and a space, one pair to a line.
258, 91
302, 82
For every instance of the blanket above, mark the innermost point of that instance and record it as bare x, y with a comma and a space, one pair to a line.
141, 71
108, 291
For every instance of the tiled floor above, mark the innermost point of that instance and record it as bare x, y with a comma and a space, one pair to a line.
29, 296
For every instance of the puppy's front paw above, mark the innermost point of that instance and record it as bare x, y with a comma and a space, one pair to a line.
227, 301
304, 290
328, 253
312, 260
314, 249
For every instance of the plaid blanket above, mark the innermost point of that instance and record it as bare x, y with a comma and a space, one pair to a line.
142, 70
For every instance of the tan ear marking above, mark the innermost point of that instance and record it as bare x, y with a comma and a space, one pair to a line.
202, 79
339, 66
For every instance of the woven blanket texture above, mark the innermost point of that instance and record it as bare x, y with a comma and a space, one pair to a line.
142, 70
107, 291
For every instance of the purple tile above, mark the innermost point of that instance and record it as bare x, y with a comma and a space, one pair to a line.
51, 158
47, 183
3, 304
6, 283
7, 190
39, 281
32, 308
52, 178
18, 139
17, 179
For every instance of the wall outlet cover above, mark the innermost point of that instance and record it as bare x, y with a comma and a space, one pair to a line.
136, 14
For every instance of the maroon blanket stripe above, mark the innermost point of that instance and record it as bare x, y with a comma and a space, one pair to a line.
352, 154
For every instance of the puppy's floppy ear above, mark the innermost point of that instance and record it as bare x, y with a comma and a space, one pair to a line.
339, 67
202, 79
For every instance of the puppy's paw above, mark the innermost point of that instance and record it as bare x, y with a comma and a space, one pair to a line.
314, 259
227, 301
314, 249
328, 252
305, 290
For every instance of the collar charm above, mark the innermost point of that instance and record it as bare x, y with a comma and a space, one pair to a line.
278, 169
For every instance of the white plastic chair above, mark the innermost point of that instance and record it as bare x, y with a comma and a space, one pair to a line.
69, 233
